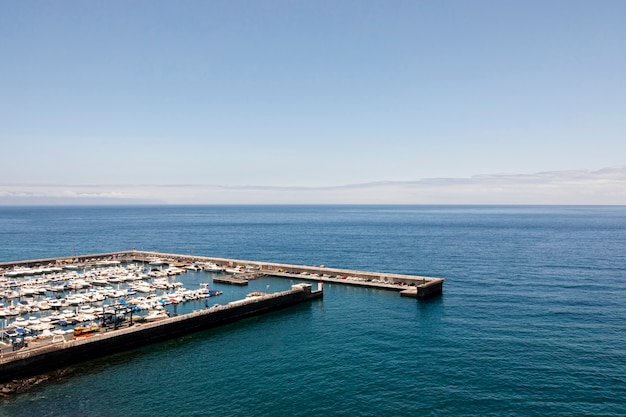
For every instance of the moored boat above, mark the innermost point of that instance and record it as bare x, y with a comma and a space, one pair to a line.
154, 315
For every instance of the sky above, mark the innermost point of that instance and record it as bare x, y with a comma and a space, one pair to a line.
411, 102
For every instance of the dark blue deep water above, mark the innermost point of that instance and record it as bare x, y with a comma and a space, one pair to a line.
532, 321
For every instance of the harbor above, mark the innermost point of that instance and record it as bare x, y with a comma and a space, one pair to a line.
55, 312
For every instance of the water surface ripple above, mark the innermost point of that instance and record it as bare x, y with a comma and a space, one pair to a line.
532, 321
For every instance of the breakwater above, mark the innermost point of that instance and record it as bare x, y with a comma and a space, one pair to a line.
407, 285
62, 352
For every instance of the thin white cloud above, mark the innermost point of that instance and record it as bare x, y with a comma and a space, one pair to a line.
602, 187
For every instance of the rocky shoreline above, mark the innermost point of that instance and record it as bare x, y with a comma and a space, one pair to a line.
19, 386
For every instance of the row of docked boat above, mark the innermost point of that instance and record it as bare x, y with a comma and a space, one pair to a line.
68, 265
65, 300
61, 281
173, 293
26, 281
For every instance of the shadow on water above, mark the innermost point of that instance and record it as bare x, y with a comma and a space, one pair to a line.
157, 352
430, 306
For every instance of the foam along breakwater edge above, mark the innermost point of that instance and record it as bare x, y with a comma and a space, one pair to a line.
60, 352
408, 285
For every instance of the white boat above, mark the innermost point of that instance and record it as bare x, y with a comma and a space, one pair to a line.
117, 294
57, 303
93, 295
143, 288
24, 306
137, 277
193, 267
154, 315
58, 287
171, 271
85, 317
46, 333
86, 309
103, 282
19, 322
210, 266
74, 300
39, 327
11, 311
157, 274
28, 291
68, 314
8, 294
77, 284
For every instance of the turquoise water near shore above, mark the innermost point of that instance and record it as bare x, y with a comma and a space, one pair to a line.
532, 320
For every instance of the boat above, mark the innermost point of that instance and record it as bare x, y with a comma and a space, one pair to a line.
19, 322
44, 304
210, 266
57, 287
86, 309
103, 282
205, 292
74, 300
154, 315
155, 262
57, 303
172, 271
193, 267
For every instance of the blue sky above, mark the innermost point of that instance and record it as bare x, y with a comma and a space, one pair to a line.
119, 97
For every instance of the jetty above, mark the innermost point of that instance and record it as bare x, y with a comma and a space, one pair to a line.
60, 351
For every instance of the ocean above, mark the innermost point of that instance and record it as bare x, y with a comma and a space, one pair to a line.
532, 321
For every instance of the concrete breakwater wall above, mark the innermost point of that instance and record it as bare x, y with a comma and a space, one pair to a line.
409, 285
415, 286
34, 361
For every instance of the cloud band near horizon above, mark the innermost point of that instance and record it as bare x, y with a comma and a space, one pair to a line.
578, 187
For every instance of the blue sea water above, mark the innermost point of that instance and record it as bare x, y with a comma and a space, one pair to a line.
532, 321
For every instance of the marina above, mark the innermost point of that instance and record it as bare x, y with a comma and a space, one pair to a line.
55, 312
